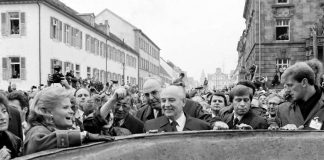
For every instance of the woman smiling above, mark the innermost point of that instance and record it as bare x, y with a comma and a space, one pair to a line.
51, 120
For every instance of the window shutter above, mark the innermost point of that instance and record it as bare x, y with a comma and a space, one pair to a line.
80, 40
59, 30
23, 68
52, 66
5, 69
23, 23
51, 28
64, 34
4, 25
65, 66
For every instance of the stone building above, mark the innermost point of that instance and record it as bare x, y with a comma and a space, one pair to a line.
218, 80
278, 34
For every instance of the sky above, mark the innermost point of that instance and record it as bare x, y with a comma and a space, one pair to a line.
195, 35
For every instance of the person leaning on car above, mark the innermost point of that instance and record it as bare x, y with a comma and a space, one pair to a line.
173, 100
242, 116
307, 108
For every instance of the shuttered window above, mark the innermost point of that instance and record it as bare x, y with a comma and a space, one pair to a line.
13, 68
13, 23
55, 29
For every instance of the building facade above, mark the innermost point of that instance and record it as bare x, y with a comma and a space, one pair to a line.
277, 35
218, 80
36, 35
149, 52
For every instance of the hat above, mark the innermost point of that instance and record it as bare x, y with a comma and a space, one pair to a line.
114, 81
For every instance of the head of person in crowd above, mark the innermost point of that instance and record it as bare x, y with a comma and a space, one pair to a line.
262, 99
4, 113
82, 96
273, 101
19, 101
13, 87
151, 91
173, 100
122, 107
217, 101
299, 80
241, 99
255, 103
317, 67
52, 107
245, 83
92, 104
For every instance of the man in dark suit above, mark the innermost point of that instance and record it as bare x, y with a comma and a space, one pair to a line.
242, 117
174, 119
152, 109
116, 113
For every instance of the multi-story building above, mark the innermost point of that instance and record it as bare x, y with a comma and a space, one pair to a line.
218, 80
149, 52
36, 35
278, 34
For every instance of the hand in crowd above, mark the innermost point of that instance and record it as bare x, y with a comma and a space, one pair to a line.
243, 126
291, 127
120, 93
219, 125
5, 153
89, 137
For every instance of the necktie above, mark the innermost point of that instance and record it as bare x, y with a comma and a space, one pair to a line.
235, 122
174, 126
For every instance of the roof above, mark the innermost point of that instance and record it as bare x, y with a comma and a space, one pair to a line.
164, 72
144, 35
74, 14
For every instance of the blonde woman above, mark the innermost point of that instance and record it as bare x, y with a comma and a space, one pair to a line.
51, 122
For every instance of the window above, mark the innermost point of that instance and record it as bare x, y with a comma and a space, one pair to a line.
88, 72
282, 29
96, 46
93, 45
76, 38
67, 67
67, 34
77, 71
88, 43
14, 22
109, 49
56, 29
14, 68
282, 63
101, 49
283, 1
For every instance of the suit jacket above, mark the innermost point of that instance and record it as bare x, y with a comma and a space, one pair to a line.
163, 124
94, 123
191, 108
255, 121
15, 126
289, 113
145, 113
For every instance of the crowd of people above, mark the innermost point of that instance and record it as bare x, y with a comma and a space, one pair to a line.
71, 115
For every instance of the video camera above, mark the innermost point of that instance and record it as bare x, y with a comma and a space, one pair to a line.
57, 77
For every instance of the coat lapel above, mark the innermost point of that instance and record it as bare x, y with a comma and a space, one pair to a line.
148, 113
317, 107
164, 124
295, 116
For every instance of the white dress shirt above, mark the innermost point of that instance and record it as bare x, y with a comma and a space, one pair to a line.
181, 122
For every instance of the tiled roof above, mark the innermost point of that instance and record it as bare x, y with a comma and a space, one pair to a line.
164, 72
